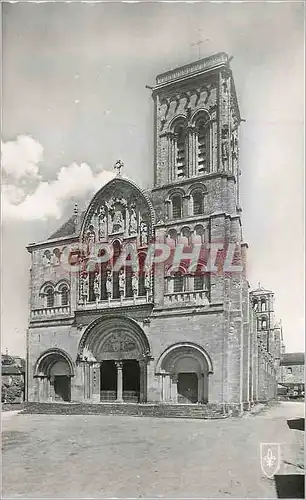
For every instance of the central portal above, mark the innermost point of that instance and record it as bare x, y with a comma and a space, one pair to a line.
115, 354
111, 372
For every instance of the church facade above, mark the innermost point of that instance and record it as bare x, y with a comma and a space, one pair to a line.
144, 297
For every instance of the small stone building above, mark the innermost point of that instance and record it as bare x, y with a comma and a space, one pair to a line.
292, 373
106, 325
12, 379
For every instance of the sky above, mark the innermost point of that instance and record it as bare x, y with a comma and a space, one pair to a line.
74, 101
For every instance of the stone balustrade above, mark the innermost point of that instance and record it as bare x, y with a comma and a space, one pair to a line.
197, 298
48, 312
121, 302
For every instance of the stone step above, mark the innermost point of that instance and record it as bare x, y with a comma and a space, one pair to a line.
140, 410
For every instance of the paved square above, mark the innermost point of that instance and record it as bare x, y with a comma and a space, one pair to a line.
115, 456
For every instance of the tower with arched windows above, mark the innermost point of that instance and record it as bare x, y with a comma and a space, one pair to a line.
108, 326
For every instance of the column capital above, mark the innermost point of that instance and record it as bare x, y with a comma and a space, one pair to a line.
119, 365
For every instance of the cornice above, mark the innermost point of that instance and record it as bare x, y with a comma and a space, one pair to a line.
198, 178
48, 243
191, 70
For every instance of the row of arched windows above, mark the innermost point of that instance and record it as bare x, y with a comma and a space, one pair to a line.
55, 296
196, 205
182, 280
105, 281
188, 237
191, 147
260, 305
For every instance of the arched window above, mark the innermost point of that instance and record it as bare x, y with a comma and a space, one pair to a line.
263, 305
128, 281
172, 238
176, 206
255, 305
56, 257
64, 291
47, 258
198, 282
259, 324
180, 150
289, 370
185, 237
178, 282
49, 297
263, 323
198, 202
199, 234
202, 134
142, 275
201, 279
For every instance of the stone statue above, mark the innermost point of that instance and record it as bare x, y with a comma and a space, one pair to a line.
147, 281
109, 283
133, 221
90, 239
102, 223
143, 233
224, 145
117, 221
224, 150
135, 283
84, 287
121, 282
96, 286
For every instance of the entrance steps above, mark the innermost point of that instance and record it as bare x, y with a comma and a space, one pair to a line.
162, 410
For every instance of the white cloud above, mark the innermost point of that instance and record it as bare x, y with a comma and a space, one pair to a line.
48, 199
21, 158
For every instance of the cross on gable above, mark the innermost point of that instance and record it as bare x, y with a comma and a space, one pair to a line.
118, 166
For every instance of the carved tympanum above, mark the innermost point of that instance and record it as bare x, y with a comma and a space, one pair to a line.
119, 342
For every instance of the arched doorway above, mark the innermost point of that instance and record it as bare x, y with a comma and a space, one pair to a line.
53, 371
183, 370
117, 351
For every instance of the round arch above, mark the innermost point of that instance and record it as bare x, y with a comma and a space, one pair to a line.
117, 182
200, 113
113, 337
168, 359
49, 358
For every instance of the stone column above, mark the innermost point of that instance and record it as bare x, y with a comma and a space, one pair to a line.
96, 383
42, 389
50, 389
119, 365
166, 387
173, 388
143, 381
87, 381
201, 388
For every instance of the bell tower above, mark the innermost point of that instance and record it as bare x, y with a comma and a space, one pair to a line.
196, 122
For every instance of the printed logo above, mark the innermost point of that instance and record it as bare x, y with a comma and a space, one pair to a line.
270, 458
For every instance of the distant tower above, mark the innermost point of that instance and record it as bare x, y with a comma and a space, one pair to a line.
263, 307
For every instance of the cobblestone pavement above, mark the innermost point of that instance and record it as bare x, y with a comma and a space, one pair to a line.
103, 456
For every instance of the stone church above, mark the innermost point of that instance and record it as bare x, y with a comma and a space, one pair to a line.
112, 320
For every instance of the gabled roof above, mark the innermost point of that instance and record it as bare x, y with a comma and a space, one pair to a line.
293, 358
67, 229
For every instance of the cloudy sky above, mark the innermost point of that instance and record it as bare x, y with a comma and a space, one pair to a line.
74, 101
